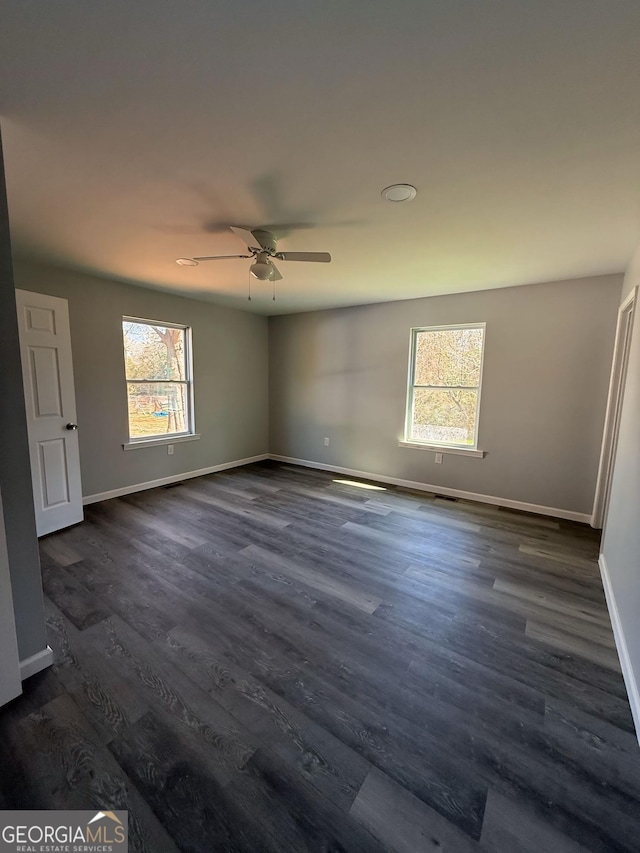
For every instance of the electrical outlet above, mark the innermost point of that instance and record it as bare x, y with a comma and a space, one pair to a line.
438, 458
170, 449
327, 441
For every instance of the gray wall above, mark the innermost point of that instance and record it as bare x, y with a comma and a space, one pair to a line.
230, 352
621, 545
343, 374
15, 472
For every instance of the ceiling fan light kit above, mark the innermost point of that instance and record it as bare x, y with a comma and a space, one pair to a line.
263, 249
262, 269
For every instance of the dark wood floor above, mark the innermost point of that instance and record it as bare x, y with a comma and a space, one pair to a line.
267, 659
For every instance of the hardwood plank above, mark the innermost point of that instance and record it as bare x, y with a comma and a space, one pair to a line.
162, 527
291, 811
315, 580
589, 649
561, 603
510, 826
70, 769
404, 824
166, 687
71, 596
99, 693
317, 756
313, 495
561, 556
183, 788
59, 550
249, 512
583, 740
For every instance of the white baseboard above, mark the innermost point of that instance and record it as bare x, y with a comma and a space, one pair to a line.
583, 517
352, 472
36, 663
621, 645
173, 478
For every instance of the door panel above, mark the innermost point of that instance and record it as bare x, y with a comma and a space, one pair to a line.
47, 370
53, 472
40, 319
45, 381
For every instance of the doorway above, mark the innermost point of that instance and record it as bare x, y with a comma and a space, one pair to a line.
614, 409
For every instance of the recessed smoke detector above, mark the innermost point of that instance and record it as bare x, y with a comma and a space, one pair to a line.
187, 262
399, 192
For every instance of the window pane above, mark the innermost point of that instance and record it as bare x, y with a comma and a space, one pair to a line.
449, 357
444, 416
154, 352
157, 408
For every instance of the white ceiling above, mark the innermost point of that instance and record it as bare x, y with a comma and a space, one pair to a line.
135, 132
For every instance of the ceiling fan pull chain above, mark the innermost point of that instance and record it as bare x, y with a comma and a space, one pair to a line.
249, 287
274, 291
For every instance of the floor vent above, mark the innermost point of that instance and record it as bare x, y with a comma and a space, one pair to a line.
172, 485
446, 498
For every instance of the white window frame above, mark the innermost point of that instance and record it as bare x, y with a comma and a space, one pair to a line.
176, 437
437, 446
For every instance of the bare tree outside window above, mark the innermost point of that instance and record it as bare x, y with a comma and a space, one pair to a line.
158, 377
444, 385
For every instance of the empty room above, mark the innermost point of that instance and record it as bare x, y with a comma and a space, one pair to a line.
320, 459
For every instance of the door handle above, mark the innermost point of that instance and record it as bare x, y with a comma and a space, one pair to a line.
72, 426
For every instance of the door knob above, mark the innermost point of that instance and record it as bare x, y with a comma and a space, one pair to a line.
72, 426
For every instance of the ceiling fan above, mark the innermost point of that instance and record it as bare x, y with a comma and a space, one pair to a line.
263, 249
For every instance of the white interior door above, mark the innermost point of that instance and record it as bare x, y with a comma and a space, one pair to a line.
47, 371
10, 683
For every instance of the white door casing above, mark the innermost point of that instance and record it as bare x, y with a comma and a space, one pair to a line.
47, 371
614, 409
10, 682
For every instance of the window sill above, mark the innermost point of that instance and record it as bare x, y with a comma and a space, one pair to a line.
439, 448
158, 442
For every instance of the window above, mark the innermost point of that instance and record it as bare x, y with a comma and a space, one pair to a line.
157, 360
445, 374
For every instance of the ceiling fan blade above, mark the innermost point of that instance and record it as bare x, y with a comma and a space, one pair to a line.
221, 257
276, 276
247, 237
317, 257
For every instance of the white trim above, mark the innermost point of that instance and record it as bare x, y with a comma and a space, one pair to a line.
366, 475
628, 674
158, 442
10, 685
442, 448
630, 299
36, 663
619, 367
188, 380
567, 514
126, 318
173, 478
411, 385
